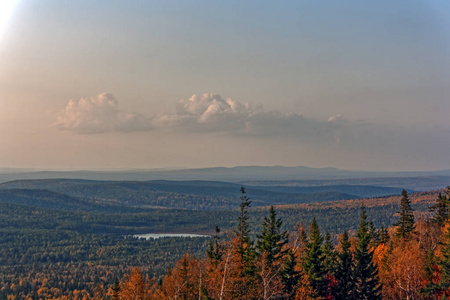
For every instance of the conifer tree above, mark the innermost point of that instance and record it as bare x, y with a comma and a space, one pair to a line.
214, 251
271, 254
406, 222
383, 235
366, 275
272, 239
242, 230
244, 245
329, 254
313, 264
116, 289
290, 275
441, 209
243, 255
345, 280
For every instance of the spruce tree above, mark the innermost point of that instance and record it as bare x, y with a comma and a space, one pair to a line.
214, 252
406, 222
329, 254
290, 275
441, 210
116, 289
366, 275
345, 280
272, 239
242, 232
245, 248
383, 235
313, 264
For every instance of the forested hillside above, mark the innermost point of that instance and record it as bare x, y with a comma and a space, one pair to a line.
114, 196
59, 241
410, 260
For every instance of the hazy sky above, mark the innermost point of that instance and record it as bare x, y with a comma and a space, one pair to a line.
147, 84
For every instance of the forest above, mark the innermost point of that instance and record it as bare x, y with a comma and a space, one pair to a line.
408, 260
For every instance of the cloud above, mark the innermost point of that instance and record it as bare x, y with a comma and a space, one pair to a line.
100, 114
206, 113
209, 113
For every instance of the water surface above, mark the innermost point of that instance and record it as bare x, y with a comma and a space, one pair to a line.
160, 235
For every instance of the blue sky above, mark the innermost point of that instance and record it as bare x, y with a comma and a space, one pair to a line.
149, 84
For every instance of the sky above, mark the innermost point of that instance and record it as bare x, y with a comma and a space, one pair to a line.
111, 84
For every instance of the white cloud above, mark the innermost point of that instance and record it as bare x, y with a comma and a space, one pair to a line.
206, 113
202, 113
209, 113
99, 114
212, 113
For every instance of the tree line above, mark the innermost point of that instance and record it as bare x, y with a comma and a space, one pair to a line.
410, 260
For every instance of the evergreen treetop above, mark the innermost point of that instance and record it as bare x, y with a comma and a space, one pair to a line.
406, 222
441, 209
366, 274
272, 239
345, 279
314, 264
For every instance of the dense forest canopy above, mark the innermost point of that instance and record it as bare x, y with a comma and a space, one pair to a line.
88, 253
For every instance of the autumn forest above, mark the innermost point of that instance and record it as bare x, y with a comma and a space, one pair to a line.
408, 260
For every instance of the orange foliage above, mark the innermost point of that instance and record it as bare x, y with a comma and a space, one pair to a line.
401, 270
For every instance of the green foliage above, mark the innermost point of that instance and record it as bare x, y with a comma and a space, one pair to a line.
245, 244
272, 240
330, 255
214, 252
406, 222
345, 272
314, 262
366, 275
441, 209
41, 242
290, 275
440, 283
383, 235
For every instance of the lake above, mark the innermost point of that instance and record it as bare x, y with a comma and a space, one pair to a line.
160, 235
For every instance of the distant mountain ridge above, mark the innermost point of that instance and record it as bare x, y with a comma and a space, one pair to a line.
233, 174
110, 195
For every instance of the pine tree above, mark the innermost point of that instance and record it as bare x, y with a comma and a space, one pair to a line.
406, 222
441, 209
271, 255
329, 254
366, 275
214, 252
290, 275
313, 264
272, 239
242, 230
115, 289
243, 257
245, 246
345, 281
383, 235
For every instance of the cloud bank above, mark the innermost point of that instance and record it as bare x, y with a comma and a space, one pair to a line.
224, 117
100, 114
206, 113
